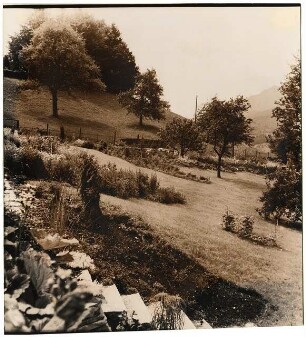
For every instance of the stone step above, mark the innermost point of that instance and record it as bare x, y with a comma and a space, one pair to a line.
135, 304
187, 323
113, 301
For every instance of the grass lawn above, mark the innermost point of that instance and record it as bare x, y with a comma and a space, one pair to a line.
195, 229
99, 115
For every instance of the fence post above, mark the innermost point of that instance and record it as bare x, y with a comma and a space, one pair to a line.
256, 154
245, 154
80, 133
17, 124
47, 129
62, 133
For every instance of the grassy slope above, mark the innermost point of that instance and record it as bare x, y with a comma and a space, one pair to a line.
98, 114
195, 228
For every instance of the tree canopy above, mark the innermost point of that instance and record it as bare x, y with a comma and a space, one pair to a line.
144, 99
182, 133
223, 124
286, 140
57, 58
283, 197
103, 43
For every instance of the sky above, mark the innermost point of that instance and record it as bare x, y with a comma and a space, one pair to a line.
203, 51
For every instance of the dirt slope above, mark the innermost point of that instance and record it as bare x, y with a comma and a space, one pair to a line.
195, 228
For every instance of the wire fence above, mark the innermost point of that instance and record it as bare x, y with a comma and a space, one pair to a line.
114, 136
72, 134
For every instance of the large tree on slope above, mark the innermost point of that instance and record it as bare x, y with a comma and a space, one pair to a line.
57, 58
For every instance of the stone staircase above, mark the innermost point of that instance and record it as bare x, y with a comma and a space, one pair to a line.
133, 305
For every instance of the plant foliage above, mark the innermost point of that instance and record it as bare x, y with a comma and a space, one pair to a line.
182, 133
224, 124
144, 99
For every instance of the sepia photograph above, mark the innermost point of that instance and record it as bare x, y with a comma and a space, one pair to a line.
152, 167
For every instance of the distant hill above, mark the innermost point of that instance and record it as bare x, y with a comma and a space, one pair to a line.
99, 115
261, 113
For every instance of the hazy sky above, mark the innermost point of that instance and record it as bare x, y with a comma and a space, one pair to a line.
201, 51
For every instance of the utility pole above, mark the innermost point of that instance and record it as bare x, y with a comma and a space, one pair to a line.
196, 109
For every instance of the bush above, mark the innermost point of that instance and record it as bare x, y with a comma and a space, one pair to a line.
12, 158
143, 184
48, 144
168, 195
88, 144
229, 222
29, 85
167, 312
33, 164
154, 184
90, 192
247, 224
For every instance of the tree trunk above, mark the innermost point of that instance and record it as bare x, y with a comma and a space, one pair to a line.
54, 103
219, 166
140, 119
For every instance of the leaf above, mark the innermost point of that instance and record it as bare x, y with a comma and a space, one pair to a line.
9, 230
47, 311
55, 324
64, 257
13, 319
52, 241
81, 260
63, 273
18, 284
37, 265
38, 324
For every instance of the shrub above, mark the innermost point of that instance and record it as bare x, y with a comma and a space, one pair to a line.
168, 195
229, 222
154, 184
11, 136
48, 144
28, 85
90, 191
33, 164
88, 144
247, 224
167, 312
12, 158
143, 184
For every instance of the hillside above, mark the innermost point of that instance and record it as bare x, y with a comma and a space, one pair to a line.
261, 112
98, 115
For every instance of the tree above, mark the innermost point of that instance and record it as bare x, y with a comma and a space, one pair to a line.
223, 124
23, 39
182, 133
57, 58
284, 194
286, 140
105, 45
16, 44
144, 100
6, 62
283, 197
